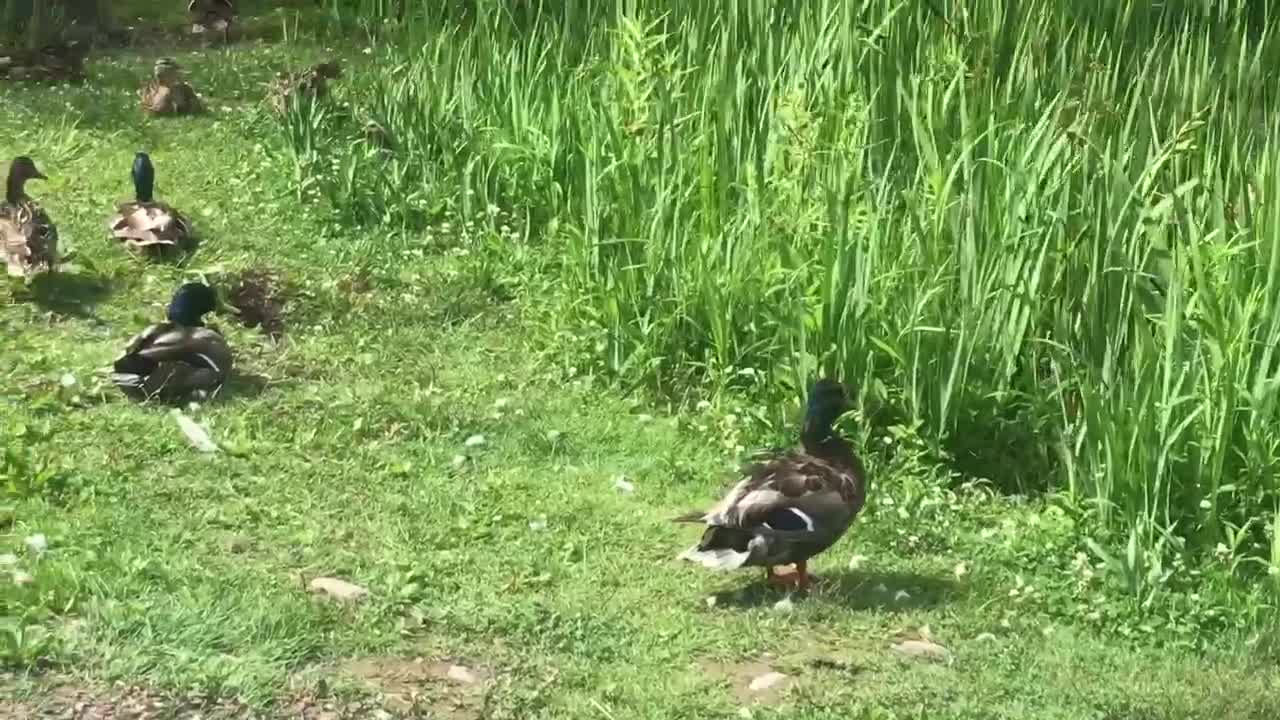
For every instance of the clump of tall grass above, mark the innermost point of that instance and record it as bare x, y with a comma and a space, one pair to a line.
1045, 234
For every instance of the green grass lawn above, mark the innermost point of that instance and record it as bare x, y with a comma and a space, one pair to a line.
349, 451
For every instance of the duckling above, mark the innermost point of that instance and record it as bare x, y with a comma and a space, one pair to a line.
145, 225
167, 93
211, 15
312, 82
29, 237
180, 357
792, 506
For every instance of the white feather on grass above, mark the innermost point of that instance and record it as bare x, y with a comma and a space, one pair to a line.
198, 436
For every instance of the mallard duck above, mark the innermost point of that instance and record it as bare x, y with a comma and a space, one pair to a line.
54, 62
145, 225
312, 83
167, 93
178, 358
791, 507
213, 15
29, 237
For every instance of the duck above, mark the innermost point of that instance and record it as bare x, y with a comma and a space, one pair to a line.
145, 225
28, 235
312, 83
167, 93
178, 358
791, 504
211, 15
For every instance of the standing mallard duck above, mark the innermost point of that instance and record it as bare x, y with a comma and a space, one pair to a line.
791, 507
209, 15
167, 93
29, 237
312, 83
174, 359
145, 225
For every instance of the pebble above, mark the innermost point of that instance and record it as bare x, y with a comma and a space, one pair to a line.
766, 681
460, 674
921, 649
336, 589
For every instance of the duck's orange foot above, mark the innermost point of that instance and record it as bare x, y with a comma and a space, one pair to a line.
791, 578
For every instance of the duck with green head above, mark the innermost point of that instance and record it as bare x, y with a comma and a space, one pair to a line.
28, 235
178, 358
145, 225
790, 507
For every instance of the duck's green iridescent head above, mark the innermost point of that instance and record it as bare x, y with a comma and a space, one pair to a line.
191, 302
144, 177
827, 402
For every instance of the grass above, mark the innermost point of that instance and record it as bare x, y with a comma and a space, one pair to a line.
460, 286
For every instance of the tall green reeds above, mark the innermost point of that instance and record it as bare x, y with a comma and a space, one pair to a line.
1045, 233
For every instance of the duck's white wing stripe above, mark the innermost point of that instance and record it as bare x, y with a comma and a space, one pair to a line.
804, 517
214, 365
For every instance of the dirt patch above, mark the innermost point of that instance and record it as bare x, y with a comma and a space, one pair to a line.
117, 703
259, 295
444, 688
753, 682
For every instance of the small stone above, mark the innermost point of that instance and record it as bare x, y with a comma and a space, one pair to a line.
37, 543
538, 524
644, 418
474, 441
501, 403
553, 435
961, 570
458, 461
857, 561
901, 596
460, 674
710, 600
784, 605
336, 589
921, 649
622, 484
67, 380
766, 681
986, 637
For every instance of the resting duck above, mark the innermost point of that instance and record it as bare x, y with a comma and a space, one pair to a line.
211, 15
312, 83
167, 93
145, 225
178, 358
29, 237
790, 507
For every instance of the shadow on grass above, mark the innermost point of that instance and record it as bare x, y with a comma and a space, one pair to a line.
243, 385
74, 294
883, 591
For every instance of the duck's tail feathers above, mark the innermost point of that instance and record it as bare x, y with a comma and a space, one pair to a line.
716, 558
